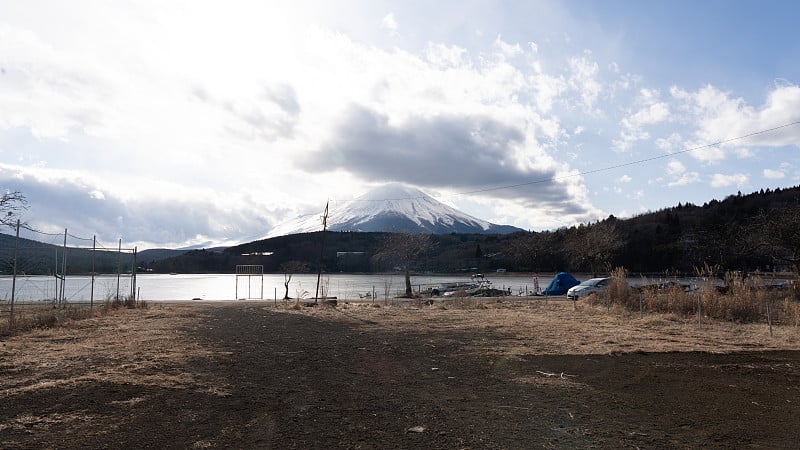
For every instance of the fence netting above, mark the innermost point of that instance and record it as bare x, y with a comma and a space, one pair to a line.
60, 269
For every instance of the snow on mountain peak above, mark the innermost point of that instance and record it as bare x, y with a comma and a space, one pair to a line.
393, 208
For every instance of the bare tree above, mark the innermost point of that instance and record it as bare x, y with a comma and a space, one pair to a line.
12, 203
289, 268
404, 250
779, 232
594, 245
535, 251
524, 249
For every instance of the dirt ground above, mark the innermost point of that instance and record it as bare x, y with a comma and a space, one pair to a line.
510, 374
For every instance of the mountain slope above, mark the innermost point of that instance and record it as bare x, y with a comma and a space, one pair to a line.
394, 208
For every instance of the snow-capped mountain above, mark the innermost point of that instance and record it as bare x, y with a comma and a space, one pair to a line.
393, 208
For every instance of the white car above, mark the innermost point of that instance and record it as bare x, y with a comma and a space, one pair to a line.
587, 287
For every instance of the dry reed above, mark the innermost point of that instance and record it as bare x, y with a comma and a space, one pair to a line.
741, 299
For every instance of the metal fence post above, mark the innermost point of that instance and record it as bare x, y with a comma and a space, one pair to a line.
133, 275
94, 250
119, 265
62, 296
14, 279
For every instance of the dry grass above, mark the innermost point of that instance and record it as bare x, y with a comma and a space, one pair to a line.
164, 357
48, 315
117, 345
517, 327
740, 300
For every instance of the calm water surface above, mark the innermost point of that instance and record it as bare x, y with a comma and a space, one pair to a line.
157, 287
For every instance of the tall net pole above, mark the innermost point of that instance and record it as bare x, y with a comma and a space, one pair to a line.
14, 278
94, 250
119, 266
62, 297
321, 250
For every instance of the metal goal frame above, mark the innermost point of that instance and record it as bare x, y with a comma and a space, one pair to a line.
250, 271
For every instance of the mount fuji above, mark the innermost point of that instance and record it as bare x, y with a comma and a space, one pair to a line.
394, 208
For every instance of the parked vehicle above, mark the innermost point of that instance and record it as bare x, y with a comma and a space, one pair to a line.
587, 287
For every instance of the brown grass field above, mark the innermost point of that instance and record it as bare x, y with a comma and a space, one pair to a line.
487, 373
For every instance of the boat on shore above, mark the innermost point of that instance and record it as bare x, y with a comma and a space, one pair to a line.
478, 285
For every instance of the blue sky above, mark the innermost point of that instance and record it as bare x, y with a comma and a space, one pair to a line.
201, 123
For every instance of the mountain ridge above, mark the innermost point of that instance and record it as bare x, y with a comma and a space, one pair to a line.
394, 208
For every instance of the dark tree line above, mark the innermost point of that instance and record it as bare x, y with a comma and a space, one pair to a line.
760, 231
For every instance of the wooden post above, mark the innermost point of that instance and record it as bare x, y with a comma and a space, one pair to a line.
769, 315
699, 310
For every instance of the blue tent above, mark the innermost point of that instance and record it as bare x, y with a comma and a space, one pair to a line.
561, 282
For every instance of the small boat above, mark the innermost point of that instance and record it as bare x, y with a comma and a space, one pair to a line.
477, 286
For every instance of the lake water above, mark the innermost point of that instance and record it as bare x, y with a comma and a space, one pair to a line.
161, 287
156, 287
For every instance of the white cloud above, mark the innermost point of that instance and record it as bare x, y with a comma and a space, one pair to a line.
624, 179
652, 112
719, 180
721, 118
506, 49
675, 167
684, 179
678, 175
774, 174
671, 143
547, 89
389, 23
627, 138
445, 56
583, 79
707, 154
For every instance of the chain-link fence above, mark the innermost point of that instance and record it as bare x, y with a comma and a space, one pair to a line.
61, 270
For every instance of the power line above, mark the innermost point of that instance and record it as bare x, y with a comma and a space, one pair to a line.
631, 163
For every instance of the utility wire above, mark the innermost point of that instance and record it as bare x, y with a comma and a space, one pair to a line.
631, 163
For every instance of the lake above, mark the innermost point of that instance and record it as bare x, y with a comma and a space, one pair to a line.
157, 287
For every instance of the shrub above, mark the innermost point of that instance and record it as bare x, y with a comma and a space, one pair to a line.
619, 291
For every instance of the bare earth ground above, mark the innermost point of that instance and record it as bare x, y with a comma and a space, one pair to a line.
514, 375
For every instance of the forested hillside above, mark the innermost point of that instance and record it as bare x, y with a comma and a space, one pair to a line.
37, 258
